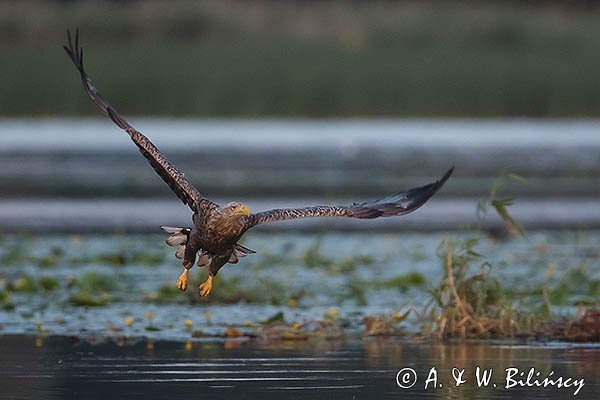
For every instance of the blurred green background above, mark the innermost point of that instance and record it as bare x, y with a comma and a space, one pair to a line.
306, 58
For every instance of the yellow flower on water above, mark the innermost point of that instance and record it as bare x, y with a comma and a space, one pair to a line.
399, 315
150, 315
20, 283
188, 323
296, 326
551, 271
129, 321
249, 324
332, 313
152, 296
188, 344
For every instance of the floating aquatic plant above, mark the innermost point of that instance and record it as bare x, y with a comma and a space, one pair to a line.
167, 293
5, 301
25, 284
403, 282
48, 283
93, 282
86, 299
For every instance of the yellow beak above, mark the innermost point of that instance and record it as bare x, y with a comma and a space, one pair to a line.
244, 210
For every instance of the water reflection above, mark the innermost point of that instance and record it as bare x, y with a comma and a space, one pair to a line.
216, 369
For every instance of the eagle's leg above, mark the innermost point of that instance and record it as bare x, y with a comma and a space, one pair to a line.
216, 262
182, 280
206, 287
189, 259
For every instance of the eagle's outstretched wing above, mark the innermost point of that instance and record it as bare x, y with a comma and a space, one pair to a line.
398, 204
171, 175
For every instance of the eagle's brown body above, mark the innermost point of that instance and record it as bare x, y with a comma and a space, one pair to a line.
217, 236
216, 230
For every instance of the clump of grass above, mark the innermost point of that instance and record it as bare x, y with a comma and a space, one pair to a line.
403, 282
19, 252
52, 259
116, 259
569, 287
295, 298
268, 259
148, 258
356, 290
151, 327
5, 301
16, 254
385, 325
277, 317
585, 327
326, 328
231, 290
28, 284
469, 305
573, 287
48, 283
313, 257
501, 204
86, 299
25, 284
167, 293
350, 263
93, 290
96, 282
121, 258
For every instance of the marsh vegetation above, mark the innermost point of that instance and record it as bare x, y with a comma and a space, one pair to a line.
472, 286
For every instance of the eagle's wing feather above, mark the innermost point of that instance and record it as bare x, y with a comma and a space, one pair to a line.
398, 204
167, 171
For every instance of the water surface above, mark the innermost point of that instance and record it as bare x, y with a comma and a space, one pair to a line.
60, 368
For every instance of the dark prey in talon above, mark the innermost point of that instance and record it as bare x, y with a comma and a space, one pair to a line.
216, 230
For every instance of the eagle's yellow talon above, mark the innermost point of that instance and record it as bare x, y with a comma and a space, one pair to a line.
182, 280
206, 287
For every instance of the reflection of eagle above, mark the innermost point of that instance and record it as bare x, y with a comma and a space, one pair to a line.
217, 229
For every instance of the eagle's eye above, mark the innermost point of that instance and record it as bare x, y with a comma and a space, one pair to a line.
238, 208
241, 209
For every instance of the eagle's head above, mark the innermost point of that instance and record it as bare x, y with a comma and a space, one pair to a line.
235, 209
233, 219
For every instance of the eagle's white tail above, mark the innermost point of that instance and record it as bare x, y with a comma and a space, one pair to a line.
179, 237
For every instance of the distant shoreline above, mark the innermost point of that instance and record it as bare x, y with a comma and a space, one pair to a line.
306, 58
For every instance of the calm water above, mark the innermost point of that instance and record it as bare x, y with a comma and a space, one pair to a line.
58, 368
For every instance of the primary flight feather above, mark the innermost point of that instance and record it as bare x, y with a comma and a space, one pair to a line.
217, 229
